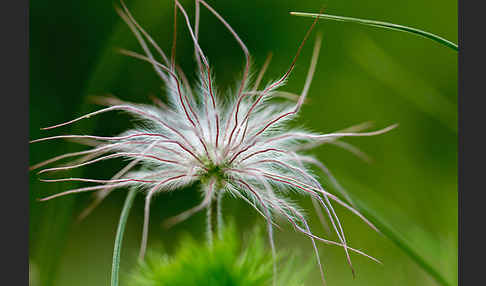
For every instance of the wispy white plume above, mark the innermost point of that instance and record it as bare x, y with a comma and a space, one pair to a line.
241, 147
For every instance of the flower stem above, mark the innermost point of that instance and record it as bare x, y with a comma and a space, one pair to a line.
209, 228
385, 25
119, 237
219, 213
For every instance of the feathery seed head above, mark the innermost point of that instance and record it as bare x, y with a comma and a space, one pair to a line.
240, 147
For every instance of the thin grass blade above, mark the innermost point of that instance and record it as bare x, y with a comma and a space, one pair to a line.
119, 237
381, 24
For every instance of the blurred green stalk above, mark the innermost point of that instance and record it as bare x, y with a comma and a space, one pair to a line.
119, 237
401, 242
380, 24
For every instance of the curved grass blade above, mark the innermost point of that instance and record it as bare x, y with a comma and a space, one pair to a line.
385, 25
119, 237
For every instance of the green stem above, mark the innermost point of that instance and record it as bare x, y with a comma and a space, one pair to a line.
119, 237
209, 228
385, 25
219, 214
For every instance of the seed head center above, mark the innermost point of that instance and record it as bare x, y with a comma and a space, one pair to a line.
215, 171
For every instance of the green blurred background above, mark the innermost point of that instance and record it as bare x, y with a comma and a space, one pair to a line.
363, 73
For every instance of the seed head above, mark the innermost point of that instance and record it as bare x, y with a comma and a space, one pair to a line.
240, 146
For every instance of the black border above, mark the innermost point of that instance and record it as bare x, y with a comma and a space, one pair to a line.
14, 205
472, 144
